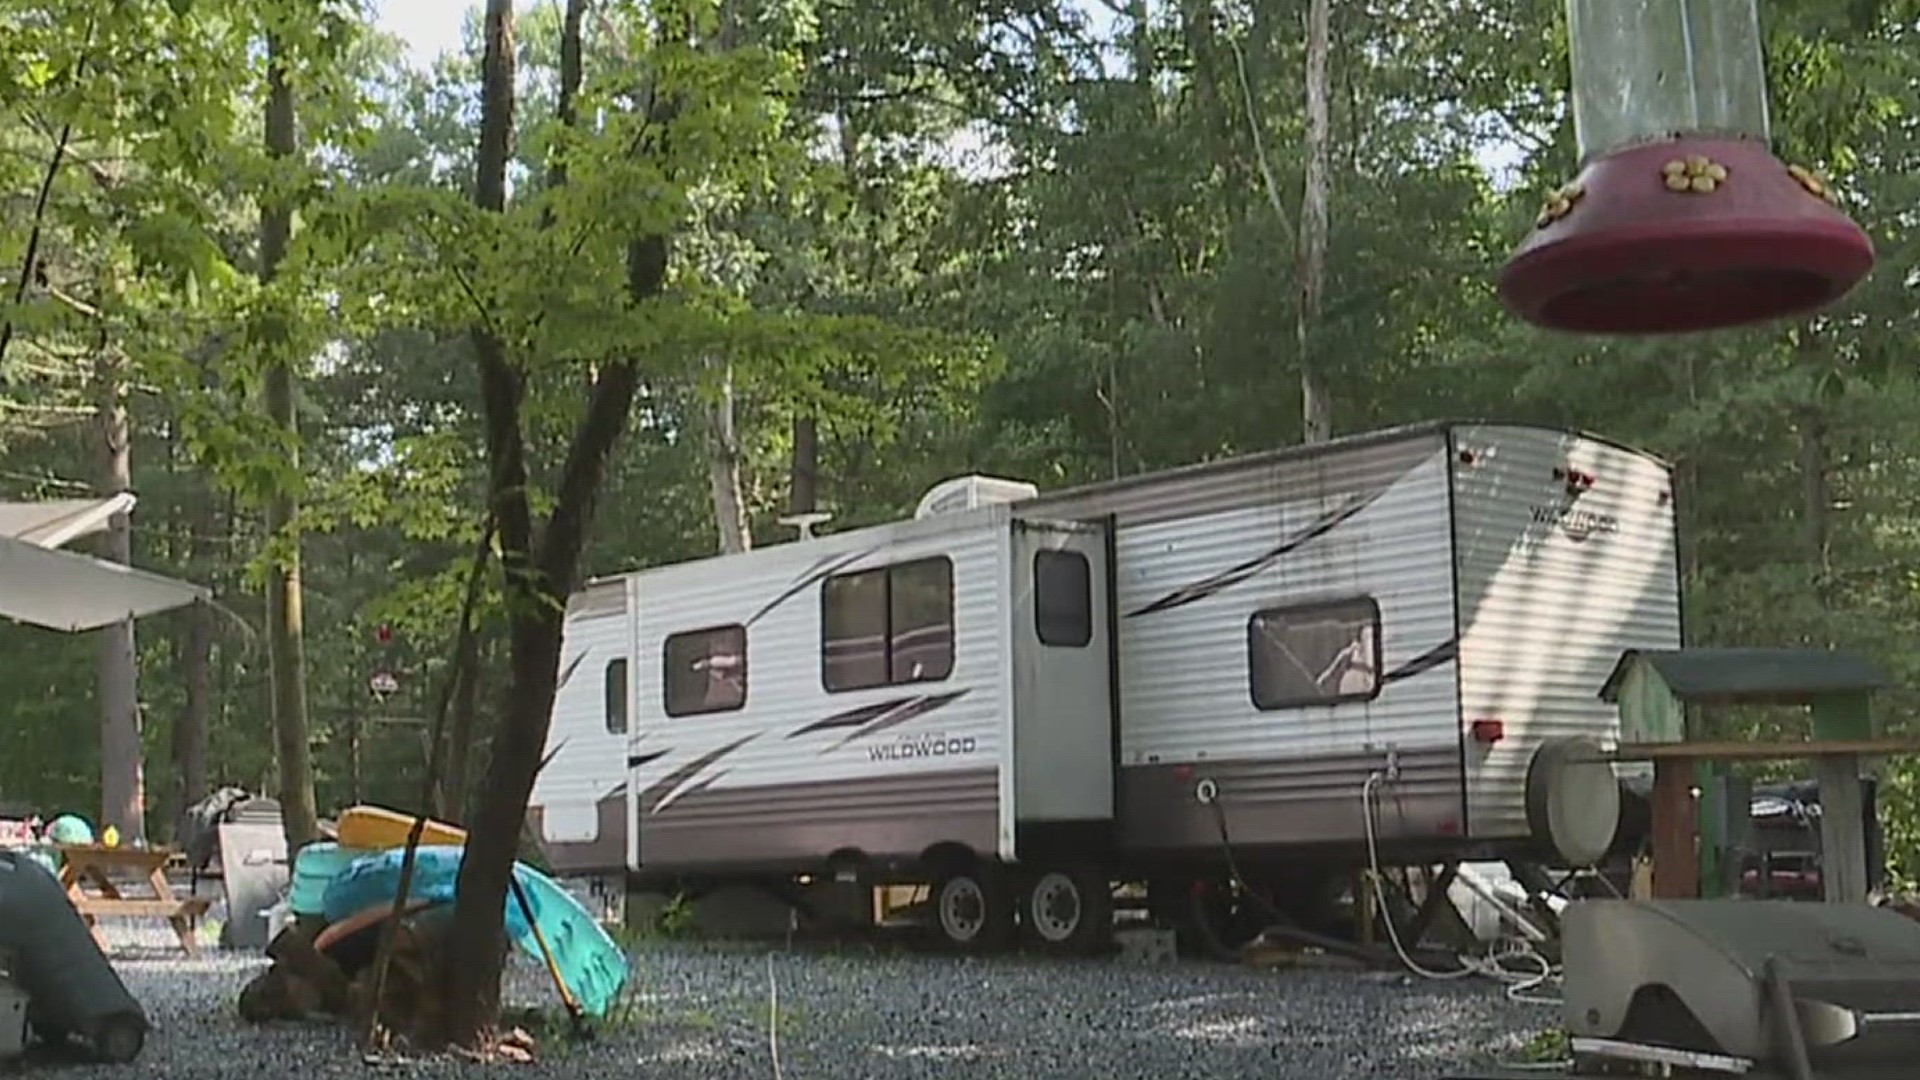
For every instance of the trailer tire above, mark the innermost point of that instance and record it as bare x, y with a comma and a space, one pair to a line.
1068, 910
973, 909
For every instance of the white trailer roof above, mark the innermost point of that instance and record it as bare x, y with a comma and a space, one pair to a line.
60, 590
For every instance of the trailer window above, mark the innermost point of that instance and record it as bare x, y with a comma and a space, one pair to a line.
1314, 654
889, 625
614, 683
1062, 598
706, 670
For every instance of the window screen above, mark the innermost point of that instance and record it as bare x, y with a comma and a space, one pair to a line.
1317, 654
614, 684
886, 626
1062, 598
706, 670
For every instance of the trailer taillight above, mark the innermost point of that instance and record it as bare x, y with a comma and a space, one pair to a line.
1488, 730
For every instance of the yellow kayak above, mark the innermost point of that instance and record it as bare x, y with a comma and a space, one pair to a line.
377, 827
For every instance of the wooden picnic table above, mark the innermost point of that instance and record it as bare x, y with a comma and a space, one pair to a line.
89, 870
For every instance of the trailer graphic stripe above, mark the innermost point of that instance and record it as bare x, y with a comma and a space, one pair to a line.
634, 761
818, 571
907, 710
850, 718
572, 666
659, 793
1442, 653
1236, 574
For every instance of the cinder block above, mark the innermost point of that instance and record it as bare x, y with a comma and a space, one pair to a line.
1146, 946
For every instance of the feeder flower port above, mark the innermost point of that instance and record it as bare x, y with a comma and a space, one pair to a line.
1680, 219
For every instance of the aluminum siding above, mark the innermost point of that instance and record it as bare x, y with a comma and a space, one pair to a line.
588, 762
796, 768
1288, 776
1548, 602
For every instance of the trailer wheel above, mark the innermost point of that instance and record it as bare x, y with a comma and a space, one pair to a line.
974, 910
1069, 911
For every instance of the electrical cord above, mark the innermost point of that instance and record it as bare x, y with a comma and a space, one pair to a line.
1492, 965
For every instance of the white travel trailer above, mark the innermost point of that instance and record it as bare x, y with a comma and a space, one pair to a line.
1023, 701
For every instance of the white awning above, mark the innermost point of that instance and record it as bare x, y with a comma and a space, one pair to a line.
64, 591
56, 522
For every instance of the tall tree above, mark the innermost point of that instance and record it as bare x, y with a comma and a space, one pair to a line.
122, 766
539, 571
1317, 408
286, 625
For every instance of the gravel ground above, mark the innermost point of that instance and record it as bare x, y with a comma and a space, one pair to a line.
854, 1011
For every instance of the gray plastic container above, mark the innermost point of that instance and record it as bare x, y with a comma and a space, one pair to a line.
72, 991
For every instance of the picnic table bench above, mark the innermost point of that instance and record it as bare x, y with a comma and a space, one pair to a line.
88, 872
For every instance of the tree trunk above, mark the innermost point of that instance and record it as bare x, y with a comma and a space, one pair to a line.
723, 470
803, 492
1816, 494
1316, 408
286, 635
459, 752
535, 583
190, 731
122, 775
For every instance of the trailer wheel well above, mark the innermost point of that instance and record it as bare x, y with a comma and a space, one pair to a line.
948, 856
847, 859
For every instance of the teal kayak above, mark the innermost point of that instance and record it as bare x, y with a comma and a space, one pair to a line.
313, 870
591, 964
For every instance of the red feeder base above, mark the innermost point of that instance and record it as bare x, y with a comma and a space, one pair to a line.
1686, 235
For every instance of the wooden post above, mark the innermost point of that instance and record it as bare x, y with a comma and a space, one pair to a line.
1676, 870
1843, 839
1845, 873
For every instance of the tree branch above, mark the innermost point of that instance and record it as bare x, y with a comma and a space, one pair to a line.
599, 430
1259, 145
30, 259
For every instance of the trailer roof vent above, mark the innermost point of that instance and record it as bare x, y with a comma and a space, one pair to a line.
967, 492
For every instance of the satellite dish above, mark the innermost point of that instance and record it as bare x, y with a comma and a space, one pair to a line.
1573, 800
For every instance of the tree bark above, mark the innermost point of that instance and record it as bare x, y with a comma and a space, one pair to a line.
459, 753
536, 582
723, 469
190, 731
1816, 492
122, 772
803, 492
1316, 408
286, 633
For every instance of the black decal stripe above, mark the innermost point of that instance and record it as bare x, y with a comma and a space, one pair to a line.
1440, 654
908, 711
685, 772
1236, 574
821, 569
618, 791
634, 761
572, 666
851, 718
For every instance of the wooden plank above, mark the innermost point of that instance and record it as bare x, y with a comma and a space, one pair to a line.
1762, 751
165, 909
1843, 837
1676, 867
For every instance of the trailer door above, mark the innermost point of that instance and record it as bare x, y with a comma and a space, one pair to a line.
1062, 692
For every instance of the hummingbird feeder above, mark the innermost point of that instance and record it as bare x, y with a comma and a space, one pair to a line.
1680, 219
